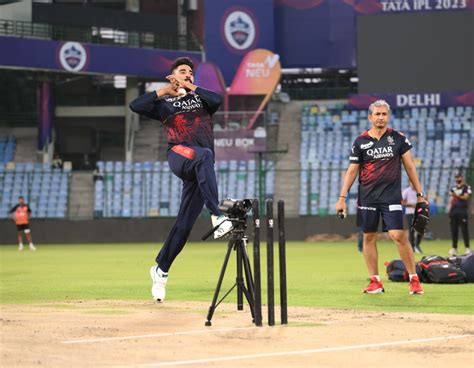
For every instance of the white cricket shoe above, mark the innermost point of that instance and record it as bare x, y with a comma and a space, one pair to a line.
225, 226
20, 247
468, 251
159, 280
32, 247
453, 252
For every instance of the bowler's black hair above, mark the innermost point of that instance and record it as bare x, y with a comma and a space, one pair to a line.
182, 61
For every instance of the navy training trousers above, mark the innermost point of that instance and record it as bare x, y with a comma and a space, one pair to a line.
195, 167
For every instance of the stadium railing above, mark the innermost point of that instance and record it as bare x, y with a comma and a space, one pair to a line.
97, 35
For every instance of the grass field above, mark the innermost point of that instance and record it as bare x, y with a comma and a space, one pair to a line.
329, 275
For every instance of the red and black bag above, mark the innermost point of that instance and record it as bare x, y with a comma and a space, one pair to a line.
439, 270
396, 271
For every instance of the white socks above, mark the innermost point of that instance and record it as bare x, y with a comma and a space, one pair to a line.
161, 273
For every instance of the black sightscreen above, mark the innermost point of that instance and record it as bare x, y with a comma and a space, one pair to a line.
416, 52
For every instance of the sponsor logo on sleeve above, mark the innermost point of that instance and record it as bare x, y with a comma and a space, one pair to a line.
366, 145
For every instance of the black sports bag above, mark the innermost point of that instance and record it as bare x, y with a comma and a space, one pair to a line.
439, 270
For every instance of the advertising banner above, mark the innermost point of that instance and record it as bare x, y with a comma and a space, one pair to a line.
75, 57
397, 6
235, 27
239, 144
45, 114
322, 33
315, 33
258, 74
362, 101
209, 76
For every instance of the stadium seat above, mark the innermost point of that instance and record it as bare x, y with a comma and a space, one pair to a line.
442, 139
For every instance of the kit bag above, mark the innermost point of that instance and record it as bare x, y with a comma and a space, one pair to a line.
438, 270
396, 271
465, 263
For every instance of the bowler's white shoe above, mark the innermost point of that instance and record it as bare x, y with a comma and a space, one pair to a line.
20, 247
225, 226
158, 287
468, 251
32, 247
453, 252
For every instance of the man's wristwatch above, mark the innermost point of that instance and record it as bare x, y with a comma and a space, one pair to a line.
420, 194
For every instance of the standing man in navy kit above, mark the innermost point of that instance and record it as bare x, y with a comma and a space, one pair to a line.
376, 157
458, 213
185, 111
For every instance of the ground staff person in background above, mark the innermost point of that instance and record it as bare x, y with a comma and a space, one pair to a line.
409, 200
21, 215
460, 194
185, 111
376, 157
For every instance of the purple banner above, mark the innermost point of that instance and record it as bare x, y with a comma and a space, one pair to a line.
399, 6
45, 114
75, 57
315, 33
238, 144
235, 27
208, 75
322, 33
444, 99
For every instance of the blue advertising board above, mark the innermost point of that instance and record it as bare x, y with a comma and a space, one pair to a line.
403, 6
235, 27
322, 33
406, 100
315, 33
75, 57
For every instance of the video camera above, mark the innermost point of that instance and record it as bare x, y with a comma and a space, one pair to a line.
235, 208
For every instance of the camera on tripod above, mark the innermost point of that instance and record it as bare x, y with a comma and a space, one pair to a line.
234, 208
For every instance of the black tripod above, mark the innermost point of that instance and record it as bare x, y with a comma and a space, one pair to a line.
237, 242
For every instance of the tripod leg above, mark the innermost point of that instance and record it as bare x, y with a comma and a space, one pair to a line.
239, 278
249, 291
213, 306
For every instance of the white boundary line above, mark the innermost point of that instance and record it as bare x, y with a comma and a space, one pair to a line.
300, 352
163, 334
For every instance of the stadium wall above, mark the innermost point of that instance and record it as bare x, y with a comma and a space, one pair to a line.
155, 230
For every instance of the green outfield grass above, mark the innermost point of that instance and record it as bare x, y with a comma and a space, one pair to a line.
329, 275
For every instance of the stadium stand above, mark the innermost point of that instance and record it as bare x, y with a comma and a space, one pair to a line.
442, 141
7, 148
149, 189
46, 190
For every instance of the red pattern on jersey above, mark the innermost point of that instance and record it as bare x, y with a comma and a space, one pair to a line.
21, 215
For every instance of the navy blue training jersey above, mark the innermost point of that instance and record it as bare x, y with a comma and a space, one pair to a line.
380, 176
186, 120
458, 205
